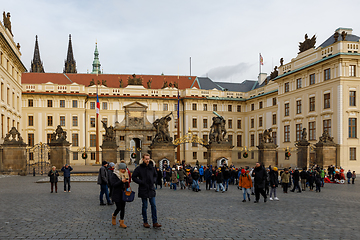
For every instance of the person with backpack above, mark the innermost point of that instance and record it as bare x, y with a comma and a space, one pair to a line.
245, 183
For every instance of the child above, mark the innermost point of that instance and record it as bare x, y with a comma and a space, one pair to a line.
245, 183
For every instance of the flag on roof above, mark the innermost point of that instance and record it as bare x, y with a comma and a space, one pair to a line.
261, 60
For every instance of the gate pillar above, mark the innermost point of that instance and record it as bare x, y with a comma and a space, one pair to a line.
13, 154
59, 148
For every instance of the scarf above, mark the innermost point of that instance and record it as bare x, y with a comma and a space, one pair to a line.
119, 174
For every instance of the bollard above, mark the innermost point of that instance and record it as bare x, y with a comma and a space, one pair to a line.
34, 172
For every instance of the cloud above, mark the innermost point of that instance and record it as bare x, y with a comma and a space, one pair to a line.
232, 73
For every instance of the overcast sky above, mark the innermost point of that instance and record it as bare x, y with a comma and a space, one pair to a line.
223, 38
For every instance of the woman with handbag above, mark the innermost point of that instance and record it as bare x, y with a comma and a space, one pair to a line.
120, 182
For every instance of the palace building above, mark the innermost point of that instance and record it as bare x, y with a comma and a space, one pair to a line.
11, 69
316, 90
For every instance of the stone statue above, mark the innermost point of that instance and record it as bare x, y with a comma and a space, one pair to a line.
59, 135
98, 82
109, 133
134, 80
7, 22
325, 138
343, 35
149, 84
217, 130
274, 73
307, 44
103, 82
162, 129
14, 133
176, 85
121, 83
281, 61
266, 137
170, 84
165, 85
336, 36
303, 135
18, 46
92, 82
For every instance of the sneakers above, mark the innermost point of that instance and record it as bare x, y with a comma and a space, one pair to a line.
271, 199
244, 200
156, 225
146, 225
276, 199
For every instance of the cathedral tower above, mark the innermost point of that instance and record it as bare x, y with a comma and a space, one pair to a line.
96, 63
70, 63
36, 64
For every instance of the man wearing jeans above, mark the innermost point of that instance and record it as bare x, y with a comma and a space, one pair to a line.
103, 182
145, 175
66, 169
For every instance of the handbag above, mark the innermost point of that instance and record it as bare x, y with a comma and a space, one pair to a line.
128, 195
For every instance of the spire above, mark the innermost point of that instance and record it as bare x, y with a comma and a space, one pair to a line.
70, 63
36, 64
96, 63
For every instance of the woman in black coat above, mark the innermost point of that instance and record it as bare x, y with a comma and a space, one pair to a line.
53, 174
119, 182
274, 182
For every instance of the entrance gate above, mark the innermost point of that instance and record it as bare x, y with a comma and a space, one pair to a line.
37, 159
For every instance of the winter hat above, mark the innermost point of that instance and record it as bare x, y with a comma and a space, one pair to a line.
111, 164
275, 169
122, 166
104, 163
242, 171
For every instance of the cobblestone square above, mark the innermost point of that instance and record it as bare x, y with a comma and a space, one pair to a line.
30, 211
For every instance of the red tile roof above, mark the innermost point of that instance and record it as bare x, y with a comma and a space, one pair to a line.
112, 80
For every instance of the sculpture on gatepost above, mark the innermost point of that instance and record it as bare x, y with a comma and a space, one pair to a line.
7, 22
266, 137
16, 137
59, 136
217, 130
326, 140
109, 135
162, 130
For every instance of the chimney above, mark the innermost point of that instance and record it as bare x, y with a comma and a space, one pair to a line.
261, 78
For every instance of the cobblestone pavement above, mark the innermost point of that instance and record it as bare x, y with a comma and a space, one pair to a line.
30, 211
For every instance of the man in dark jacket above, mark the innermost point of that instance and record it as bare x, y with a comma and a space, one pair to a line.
145, 175
296, 178
260, 176
66, 169
208, 174
103, 182
304, 177
182, 175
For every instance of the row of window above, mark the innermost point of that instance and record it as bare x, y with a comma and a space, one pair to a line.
311, 130
50, 121
311, 104
15, 100
327, 76
50, 103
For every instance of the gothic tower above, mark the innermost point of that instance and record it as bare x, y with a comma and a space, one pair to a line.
36, 64
96, 63
70, 63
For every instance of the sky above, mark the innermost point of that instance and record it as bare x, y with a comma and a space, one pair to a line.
222, 38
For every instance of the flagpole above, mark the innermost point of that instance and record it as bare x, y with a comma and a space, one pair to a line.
97, 160
259, 64
178, 122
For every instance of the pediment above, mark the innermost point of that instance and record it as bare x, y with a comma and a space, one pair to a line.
136, 105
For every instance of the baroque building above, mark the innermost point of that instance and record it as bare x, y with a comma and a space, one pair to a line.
11, 69
316, 90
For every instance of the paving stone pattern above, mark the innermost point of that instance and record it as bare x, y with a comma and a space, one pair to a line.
30, 211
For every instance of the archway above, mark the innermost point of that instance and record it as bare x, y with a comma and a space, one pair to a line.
163, 162
135, 146
222, 161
